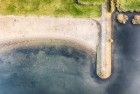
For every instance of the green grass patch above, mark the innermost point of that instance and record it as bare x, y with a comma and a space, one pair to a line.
128, 5
48, 7
92, 1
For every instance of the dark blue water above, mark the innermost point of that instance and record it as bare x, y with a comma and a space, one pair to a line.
126, 58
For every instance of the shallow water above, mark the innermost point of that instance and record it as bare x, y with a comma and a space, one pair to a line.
47, 70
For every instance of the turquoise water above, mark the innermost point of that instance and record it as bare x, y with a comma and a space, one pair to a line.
47, 70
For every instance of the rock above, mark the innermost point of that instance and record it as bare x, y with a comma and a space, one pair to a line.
136, 19
122, 18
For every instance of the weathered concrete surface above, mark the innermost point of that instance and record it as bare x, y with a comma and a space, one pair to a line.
104, 56
15, 28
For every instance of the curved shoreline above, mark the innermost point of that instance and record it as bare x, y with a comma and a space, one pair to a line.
18, 30
14, 44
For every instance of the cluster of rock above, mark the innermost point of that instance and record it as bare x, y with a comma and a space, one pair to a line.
136, 19
122, 18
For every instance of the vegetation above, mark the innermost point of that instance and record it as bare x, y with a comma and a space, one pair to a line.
122, 18
48, 7
128, 5
99, 2
136, 19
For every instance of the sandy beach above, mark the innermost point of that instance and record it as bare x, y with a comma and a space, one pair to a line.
16, 29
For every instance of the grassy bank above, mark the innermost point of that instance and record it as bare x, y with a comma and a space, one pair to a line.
93, 1
128, 5
48, 7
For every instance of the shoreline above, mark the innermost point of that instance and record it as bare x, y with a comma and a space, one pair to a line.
23, 43
23, 28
